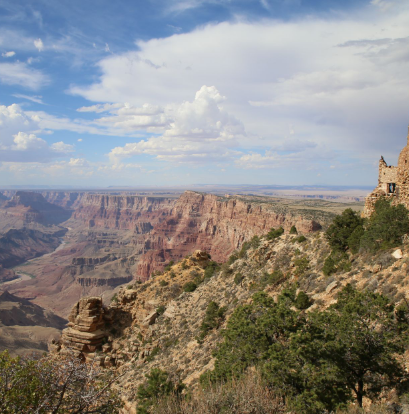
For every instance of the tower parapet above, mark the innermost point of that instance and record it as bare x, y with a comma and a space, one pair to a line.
393, 182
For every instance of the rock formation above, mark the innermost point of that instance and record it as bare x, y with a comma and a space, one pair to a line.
85, 332
393, 182
113, 239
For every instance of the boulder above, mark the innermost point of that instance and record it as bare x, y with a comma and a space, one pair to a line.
331, 287
397, 254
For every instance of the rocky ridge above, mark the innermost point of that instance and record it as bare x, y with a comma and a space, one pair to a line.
157, 323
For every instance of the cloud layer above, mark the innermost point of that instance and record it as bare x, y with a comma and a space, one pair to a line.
197, 131
19, 142
340, 82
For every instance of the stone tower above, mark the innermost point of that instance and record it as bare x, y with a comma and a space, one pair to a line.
393, 182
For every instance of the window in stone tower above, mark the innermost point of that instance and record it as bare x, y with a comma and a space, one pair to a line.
391, 188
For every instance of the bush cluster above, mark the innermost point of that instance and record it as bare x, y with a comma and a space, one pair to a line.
321, 360
349, 232
275, 233
158, 384
383, 230
55, 384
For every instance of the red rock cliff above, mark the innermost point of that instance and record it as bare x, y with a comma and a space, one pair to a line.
122, 212
208, 222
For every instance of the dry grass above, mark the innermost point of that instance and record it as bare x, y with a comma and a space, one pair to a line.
246, 396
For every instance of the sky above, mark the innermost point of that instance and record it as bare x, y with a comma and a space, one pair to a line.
182, 92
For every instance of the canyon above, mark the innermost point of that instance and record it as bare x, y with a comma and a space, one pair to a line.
108, 240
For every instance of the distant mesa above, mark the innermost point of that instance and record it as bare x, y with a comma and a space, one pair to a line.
33, 207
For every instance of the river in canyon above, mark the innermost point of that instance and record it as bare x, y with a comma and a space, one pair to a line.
23, 276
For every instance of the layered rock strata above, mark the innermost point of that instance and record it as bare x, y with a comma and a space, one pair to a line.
210, 223
85, 332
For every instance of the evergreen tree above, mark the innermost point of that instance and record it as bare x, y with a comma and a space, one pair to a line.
386, 226
342, 228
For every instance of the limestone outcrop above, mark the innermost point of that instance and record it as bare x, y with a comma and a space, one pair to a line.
86, 326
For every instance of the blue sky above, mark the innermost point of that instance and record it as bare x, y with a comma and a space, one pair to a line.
177, 92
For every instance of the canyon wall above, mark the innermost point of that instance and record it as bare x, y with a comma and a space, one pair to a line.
31, 207
20, 245
167, 229
113, 239
130, 236
214, 224
122, 212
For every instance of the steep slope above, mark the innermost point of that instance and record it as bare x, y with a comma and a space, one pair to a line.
17, 246
158, 323
26, 327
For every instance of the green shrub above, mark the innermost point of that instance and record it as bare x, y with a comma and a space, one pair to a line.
319, 360
342, 228
293, 230
184, 265
157, 385
160, 310
163, 283
232, 258
301, 265
155, 351
303, 301
275, 233
213, 318
169, 266
211, 268
189, 287
386, 226
335, 262
329, 266
238, 278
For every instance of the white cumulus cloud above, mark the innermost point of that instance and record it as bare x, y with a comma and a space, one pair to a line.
8, 54
38, 43
19, 140
197, 131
